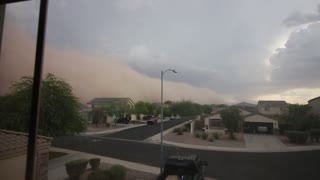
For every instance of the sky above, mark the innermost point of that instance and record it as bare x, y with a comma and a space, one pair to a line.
224, 51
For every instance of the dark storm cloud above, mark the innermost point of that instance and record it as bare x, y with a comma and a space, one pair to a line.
299, 18
297, 65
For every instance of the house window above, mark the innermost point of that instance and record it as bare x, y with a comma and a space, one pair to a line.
216, 123
267, 109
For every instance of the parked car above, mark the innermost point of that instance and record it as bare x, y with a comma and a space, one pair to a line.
184, 167
153, 120
172, 118
147, 117
122, 120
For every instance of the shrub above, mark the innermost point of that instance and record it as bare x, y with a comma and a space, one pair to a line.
185, 129
118, 172
216, 135
211, 139
107, 124
94, 163
199, 125
76, 168
188, 126
197, 135
97, 175
176, 130
298, 137
315, 134
108, 175
204, 136
180, 132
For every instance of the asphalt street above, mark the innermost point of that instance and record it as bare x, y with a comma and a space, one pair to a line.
143, 132
222, 165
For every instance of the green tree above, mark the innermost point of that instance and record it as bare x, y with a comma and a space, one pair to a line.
232, 119
140, 108
168, 102
207, 109
186, 108
300, 118
146, 108
59, 108
97, 115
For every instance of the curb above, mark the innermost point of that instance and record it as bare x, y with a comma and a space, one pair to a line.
112, 131
234, 149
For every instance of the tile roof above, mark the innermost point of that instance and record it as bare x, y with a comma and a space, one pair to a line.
272, 103
12, 142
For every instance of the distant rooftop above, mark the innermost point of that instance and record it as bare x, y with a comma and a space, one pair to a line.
83, 106
111, 100
314, 99
273, 103
245, 104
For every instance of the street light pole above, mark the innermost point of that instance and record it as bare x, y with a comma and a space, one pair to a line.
161, 136
161, 133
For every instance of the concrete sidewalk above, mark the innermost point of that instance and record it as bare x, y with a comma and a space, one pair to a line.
113, 130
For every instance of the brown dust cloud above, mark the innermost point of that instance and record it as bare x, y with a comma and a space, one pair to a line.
90, 76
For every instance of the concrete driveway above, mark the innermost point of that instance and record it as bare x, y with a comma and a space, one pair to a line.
263, 142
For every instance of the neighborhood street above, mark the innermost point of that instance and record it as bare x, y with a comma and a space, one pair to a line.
222, 165
143, 132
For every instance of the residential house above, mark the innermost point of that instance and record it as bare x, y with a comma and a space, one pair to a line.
272, 107
84, 111
315, 105
213, 123
258, 123
13, 155
253, 123
98, 102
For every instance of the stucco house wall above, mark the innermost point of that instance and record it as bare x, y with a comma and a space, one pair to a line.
315, 105
270, 110
272, 107
13, 168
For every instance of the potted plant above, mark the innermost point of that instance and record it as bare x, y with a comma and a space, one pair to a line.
76, 168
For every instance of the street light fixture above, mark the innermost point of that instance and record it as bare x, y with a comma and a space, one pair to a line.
161, 136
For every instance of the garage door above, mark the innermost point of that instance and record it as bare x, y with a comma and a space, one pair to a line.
258, 127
